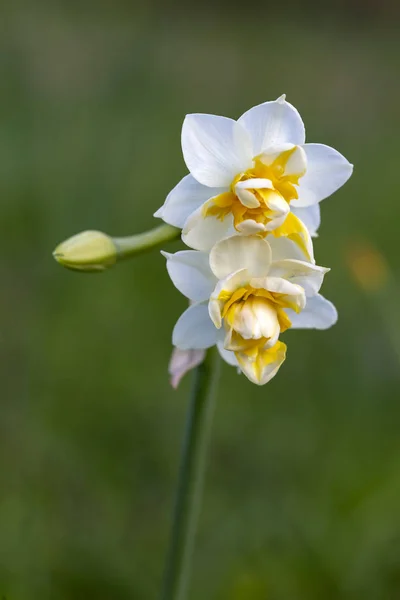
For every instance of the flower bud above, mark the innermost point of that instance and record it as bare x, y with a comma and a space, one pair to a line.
87, 251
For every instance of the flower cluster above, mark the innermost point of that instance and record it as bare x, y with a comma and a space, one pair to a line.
249, 209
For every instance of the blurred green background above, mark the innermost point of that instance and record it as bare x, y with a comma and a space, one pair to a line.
302, 497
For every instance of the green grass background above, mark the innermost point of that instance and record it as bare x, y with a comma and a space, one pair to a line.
302, 497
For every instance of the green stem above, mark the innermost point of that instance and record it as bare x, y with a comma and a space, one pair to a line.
142, 242
191, 477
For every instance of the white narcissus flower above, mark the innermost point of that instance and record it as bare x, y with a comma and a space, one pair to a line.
247, 292
255, 175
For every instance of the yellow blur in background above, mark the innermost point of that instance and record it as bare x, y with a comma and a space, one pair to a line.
303, 487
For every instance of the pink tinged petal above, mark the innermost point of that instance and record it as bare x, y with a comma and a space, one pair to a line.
273, 123
319, 313
215, 149
183, 361
310, 216
236, 253
194, 329
191, 274
201, 233
327, 171
184, 199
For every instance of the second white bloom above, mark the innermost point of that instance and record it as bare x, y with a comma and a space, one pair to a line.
246, 293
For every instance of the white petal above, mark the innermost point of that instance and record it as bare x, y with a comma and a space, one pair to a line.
319, 313
277, 203
250, 227
280, 209
271, 153
232, 282
238, 252
296, 163
276, 284
202, 233
273, 123
327, 171
159, 213
194, 329
184, 199
215, 149
183, 361
247, 198
307, 275
311, 217
227, 355
282, 248
281, 286
258, 183
191, 274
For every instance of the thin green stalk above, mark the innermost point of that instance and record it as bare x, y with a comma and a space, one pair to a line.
191, 477
142, 242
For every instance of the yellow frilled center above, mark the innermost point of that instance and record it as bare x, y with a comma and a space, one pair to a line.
228, 202
254, 351
235, 302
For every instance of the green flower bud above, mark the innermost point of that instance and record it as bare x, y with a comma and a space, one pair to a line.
87, 251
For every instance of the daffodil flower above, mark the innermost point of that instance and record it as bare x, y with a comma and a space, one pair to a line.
246, 292
255, 175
